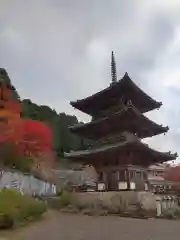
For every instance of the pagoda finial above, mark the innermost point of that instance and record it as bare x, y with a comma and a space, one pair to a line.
126, 74
113, 68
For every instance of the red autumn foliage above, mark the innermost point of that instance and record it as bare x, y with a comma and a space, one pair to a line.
32, 138
37, 137
172, 174
5, 93
14, 106
7, 100
10, 131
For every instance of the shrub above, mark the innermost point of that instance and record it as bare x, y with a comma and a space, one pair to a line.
18, 209
65, 198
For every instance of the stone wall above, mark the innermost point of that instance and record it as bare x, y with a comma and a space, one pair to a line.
126, 201
26, 184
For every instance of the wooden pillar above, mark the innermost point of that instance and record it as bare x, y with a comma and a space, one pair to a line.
128, 179
130, 160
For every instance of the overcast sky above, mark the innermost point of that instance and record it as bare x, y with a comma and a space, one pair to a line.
56, 51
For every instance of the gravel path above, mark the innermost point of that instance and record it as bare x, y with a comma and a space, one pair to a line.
78, 227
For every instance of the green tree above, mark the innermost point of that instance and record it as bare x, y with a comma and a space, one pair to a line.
63, 139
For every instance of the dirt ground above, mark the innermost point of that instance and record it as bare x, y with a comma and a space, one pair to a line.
79, 227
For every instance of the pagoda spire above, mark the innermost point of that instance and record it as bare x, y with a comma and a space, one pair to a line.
113, 68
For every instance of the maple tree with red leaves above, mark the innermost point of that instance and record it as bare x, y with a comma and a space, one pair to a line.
22, 137
31, 136
24, 144
37, 136
26, 138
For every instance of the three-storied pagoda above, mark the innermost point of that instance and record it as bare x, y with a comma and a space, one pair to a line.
116, 129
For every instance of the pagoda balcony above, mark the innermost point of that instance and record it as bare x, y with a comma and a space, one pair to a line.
131, 120
120, 105
109, 140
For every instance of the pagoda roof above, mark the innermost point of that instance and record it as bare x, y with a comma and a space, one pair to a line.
127, 119
130, 144
124, 88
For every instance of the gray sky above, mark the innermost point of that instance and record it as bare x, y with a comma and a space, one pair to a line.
59, 50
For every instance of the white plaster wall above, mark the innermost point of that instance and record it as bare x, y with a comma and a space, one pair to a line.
122, 185
26, 184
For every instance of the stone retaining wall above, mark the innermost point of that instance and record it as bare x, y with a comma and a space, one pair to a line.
26, 184
126, 201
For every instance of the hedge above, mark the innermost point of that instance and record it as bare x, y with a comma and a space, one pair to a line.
16, 209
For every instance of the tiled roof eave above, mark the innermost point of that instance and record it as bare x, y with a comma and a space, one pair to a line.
116, 146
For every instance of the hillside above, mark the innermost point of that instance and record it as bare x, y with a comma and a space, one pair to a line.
63, 139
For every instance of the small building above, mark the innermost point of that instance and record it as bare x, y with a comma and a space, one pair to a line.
156, 171
157, 182
118, 125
